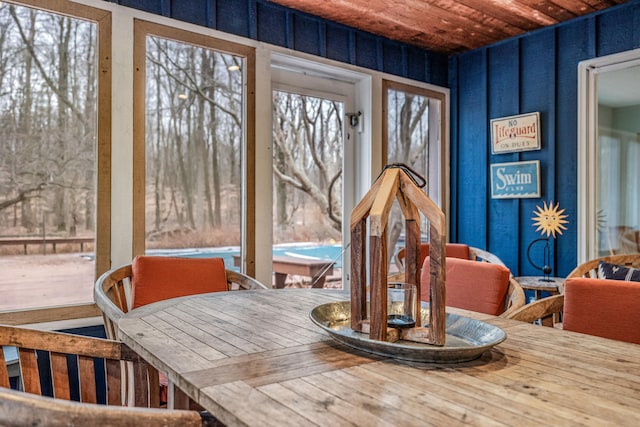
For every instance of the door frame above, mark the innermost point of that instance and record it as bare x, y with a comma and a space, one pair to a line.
293, 76
588, 72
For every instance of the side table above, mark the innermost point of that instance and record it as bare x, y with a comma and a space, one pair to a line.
538, 284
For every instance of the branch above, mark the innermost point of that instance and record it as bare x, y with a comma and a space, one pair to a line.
44, 75
21, 197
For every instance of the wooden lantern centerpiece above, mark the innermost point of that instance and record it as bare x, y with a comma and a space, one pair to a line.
393, 183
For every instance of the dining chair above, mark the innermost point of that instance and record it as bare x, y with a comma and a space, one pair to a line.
549, 311
477, 286
162, 277
590, 268
150, 279
73, 380
602, 307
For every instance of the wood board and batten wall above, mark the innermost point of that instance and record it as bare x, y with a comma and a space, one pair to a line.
534, 72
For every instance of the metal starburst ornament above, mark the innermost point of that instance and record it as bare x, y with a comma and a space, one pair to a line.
549, 219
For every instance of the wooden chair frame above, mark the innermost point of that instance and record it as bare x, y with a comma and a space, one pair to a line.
29, 408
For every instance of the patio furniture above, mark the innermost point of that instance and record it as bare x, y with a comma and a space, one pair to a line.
539, 284
273, 366
115, 292
601, 307
478, 286
316, 269
590, 268
550, 311
67, 365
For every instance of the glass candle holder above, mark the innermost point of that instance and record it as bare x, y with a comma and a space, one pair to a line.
401, 305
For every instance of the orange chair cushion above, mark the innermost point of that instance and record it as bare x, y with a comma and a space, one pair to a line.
156, 278
602, 307
471, 285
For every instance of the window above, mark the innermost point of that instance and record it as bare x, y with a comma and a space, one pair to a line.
312, 141
54, 176
413, 131
191, 143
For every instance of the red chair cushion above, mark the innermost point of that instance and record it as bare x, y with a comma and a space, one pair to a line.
156, 278
471, 285
602, 307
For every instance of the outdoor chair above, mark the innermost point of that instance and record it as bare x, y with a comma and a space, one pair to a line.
602, 307
477, 286
114, 291
150, 279
598, 300
56, 367
590, 268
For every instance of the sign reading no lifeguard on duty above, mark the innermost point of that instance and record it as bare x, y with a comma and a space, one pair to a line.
515, 133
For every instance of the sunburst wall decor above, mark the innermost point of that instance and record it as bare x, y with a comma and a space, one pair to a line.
549, 219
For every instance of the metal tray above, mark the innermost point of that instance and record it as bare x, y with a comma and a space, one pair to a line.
466, 338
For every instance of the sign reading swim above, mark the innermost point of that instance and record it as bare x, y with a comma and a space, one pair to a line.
515, 180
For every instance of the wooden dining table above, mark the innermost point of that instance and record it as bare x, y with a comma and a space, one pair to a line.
255, 358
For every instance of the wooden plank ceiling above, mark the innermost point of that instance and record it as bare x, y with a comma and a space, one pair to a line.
448, 26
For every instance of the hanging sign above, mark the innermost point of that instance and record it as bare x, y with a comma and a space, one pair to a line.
515, 133
515, 180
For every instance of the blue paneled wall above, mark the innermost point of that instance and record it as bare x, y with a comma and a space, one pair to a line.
534, 72
281, 26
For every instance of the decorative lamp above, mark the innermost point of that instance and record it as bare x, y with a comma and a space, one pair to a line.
373, 210
549, 220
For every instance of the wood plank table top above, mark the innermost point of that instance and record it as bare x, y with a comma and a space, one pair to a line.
255, 358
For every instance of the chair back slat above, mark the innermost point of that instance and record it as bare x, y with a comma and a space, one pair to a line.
4, 371
141, 385
114, 382
29, 372
87, 377
154, 384
60, 374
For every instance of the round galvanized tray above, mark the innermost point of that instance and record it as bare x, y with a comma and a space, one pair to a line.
466, 338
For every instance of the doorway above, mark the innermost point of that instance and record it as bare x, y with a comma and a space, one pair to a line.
609, 152
312, 146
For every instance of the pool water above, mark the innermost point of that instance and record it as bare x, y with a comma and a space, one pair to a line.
307, 250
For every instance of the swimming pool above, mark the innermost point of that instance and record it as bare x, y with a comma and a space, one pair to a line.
303, 250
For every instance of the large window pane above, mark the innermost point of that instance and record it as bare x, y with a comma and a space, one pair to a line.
307, 167
194, 149
413, 136
48, 175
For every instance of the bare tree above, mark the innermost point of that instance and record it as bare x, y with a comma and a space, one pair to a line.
308, 153
48, 99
